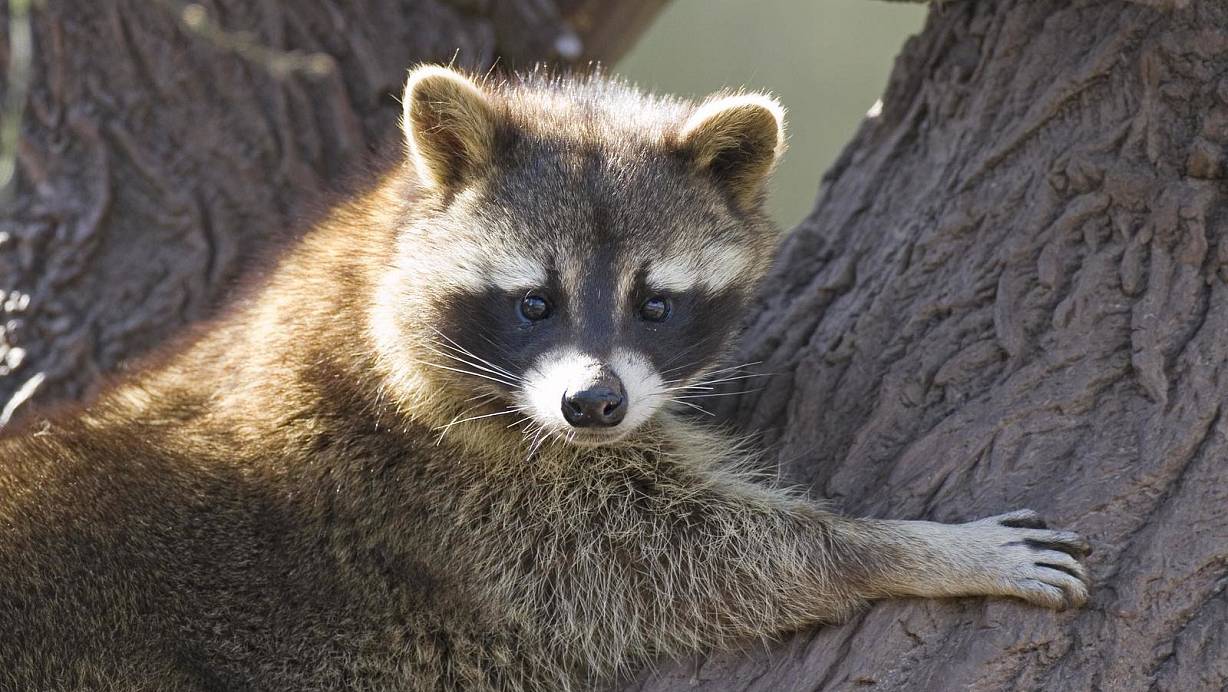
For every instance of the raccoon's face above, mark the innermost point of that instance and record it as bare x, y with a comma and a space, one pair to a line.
587, 252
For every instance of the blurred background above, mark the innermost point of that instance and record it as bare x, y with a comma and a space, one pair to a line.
827, 61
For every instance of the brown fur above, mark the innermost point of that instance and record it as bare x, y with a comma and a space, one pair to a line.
271, 506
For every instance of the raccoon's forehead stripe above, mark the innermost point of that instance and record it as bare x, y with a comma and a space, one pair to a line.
714, 268
514, 272
474, 267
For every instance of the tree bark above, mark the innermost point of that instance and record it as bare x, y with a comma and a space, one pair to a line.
1012, 294
155, 161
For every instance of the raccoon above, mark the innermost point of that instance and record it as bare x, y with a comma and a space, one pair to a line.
438, 445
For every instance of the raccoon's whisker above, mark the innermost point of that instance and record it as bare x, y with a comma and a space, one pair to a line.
685, 387
727, 370
485, 399
467, 372
502, 350
537, 442
735, 367
466, 420
469, 353
452, 347
705, 383
483, 372
714, 372
676, 368
443, 429
530, 436
677, 356
485, 364
471, 364
679, 379
532, 427
697, 407
715, 394
720, 379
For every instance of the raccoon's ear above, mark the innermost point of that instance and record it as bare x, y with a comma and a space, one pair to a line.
449, 126
737, 139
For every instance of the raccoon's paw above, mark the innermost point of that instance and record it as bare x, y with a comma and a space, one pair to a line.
1026, 559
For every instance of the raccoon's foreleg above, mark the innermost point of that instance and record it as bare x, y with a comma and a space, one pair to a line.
850, 560
760, 571
1012, 554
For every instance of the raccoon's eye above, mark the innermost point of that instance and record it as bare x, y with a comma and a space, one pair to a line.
534, 307
655, 309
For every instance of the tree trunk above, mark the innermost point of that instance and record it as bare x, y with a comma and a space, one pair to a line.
1012, 294
155, 159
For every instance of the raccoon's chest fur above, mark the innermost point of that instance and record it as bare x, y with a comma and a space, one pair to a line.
323, 577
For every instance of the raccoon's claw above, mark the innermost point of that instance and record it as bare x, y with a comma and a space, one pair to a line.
1054, 579
1034, 563
1021, 519
1065, 541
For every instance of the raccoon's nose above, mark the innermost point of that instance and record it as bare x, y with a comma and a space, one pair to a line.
601, 403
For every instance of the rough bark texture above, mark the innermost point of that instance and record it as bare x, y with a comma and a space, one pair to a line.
154, 163
1012, 294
